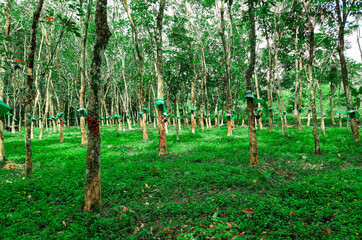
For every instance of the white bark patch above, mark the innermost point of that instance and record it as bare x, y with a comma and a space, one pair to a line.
30, 71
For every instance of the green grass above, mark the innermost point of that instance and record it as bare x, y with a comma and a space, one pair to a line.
196, 191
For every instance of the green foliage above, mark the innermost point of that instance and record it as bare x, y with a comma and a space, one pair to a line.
203, 188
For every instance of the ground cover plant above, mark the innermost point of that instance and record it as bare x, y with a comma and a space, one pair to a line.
267, 95
203, 188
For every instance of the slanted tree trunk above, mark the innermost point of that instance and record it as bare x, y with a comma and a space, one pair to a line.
341, 23
6, 32
92, 195
253, 148
140, 57
29, 91
159, 64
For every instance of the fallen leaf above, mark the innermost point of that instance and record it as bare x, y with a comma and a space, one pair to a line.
64, 223
247, 211
229, 225
148, 186
255, 181
327, 231
291, 213
135, 230
241, 234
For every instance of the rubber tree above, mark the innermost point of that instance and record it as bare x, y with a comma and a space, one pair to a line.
29, 90
253, 148
159, 66
342, 14
6, 32
92, 195
227, 77
140, 58
309, 75
83, 81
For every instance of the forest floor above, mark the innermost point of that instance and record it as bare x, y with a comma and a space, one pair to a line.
203, 188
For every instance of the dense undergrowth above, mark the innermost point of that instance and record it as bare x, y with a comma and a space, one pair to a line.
203, 188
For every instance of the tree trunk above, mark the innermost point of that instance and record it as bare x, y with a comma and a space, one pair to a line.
45, 115
309, 75
344, 70
331, 101
279, 91
159, 65
227, 69
300, 98
323, 127
140, 57
296, 77
314, 116
13, 119
260, 123
92, 196
253, 148
83, 81
29, 91
270, 99
7, 28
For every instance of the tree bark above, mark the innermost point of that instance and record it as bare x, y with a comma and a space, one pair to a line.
83, 81
29, 91
309, 74
270, 79
260, 123
140, 57
227, 68
159, 64
253, 148
45, 115
92, 196
7, 28
323, 127
331, 101
300, 97
341, 22
193, 94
